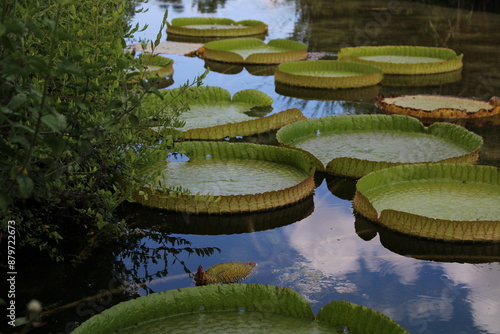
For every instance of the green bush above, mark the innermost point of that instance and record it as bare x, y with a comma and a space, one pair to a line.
72, 130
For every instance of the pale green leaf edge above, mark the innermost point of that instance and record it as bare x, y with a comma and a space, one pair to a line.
356, 168
426, 227
292, 73
234, 297
235, 203
450, 60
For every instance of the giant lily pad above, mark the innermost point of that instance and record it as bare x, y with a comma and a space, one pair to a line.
331, 74
437, 106
242, 308
452, 202
213, 114
254, 51
405, 59
223, 177
215, 27
356, 145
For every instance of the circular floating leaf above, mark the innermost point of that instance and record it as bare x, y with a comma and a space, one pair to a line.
405, 59
215, 27
250, 308
224, 273
452, 202
331, 74
224, 177
356, 145
213, 114
436, 106
254, 51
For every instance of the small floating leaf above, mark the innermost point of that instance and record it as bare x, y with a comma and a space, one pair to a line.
230, 272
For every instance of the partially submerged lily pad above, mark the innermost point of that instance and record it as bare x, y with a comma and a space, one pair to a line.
437, 106
246, 308
330, 74
214, 114
405, 59
223, 177
354, 145
254, 51
215, 27
451, 202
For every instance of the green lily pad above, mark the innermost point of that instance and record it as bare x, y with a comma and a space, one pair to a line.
243, 308
254, 51
452, 202
214, 114
437, 106
223, 177
331, 74
215, 27
356, 145
405, 59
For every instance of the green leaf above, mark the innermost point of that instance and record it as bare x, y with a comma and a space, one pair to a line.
26, 185
56, 144
16, 101
55, 121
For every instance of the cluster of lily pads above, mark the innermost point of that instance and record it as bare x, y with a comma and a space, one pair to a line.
415, 179
222, 177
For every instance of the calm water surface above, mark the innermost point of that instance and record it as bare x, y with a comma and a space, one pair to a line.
317, 247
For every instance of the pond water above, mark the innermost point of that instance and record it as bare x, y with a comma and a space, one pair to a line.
318, 247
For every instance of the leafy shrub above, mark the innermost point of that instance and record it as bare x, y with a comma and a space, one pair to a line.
72, 129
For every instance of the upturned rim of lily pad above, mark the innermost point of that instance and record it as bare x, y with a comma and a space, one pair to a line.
448, 60
437, 106
328, 74
412, 219
212, 96
237, 203
276, 51
217, 27
242, 298
349, 166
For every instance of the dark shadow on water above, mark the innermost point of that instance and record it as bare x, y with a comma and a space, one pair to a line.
146, 218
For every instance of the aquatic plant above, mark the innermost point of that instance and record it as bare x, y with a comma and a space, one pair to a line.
404, 59
254, 51
224, 177
329, 74
252, 308
214, 114
354, 145
437, 106
450, 202
215, 27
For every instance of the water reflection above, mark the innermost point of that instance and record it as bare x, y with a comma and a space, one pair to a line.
186, 223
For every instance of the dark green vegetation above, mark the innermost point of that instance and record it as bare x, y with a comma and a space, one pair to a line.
71, 122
